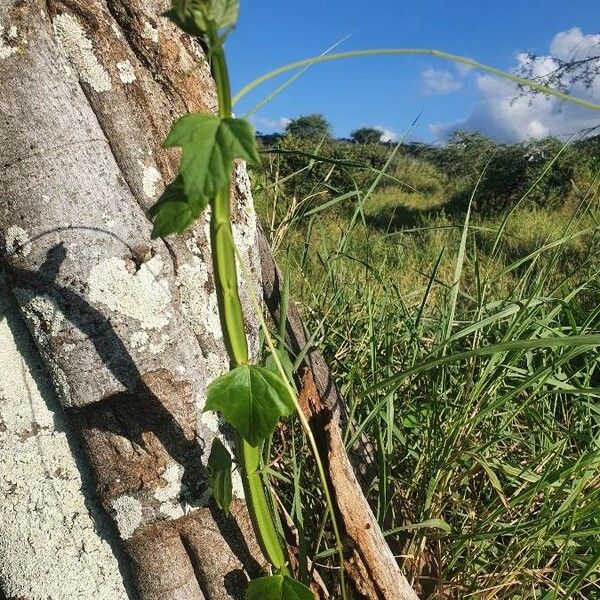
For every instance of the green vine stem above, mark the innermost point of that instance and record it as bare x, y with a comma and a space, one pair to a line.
303, 421
258, 507
223, 254
232, 323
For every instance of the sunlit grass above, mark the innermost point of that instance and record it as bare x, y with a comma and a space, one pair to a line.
488, 481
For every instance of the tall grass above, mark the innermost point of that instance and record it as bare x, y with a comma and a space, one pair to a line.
488, 481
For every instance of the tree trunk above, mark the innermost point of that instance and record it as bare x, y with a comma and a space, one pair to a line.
124, 331
127, 328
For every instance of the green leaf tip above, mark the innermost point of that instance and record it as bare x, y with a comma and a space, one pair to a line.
210, 145
252, 399
175, 211
219, 474
277, 587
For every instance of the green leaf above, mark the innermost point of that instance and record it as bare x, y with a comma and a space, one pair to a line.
224, 13
210, 145
277, 587
219, 474
186, 21
251, 399
174, 211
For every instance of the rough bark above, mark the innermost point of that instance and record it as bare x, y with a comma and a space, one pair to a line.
55, 540
127, 328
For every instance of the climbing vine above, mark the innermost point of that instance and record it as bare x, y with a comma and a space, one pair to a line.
250, 398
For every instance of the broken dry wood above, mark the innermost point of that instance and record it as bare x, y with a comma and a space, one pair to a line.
372, 566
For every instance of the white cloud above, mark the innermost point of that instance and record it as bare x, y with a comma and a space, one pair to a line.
266, 125
573, 44
502, 113
439, 82
387, 135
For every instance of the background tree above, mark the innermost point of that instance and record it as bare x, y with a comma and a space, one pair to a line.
366, 135
576, 71
313, 126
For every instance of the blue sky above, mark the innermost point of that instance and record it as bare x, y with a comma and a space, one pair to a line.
389, 92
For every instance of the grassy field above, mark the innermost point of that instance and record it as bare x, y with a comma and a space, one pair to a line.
453, 308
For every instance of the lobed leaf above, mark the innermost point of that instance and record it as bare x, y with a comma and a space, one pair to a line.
277, 587
219, 474
210, 145
251, 399
224, 13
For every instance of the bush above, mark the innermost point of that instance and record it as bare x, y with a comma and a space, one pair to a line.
424, 177
509, 171
321, 170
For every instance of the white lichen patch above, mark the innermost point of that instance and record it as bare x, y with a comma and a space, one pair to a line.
159, 347
169, 494
150, 32
237, 486
126, 72
79, 51
216, 365
6, 50
17, 241
127, 512
142, 296
172, 511
211, 421
207, 217
13, 33
61, 384
244, 227
43, 312
150, 180
116, 30
139, 340
199, 306
52, 539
